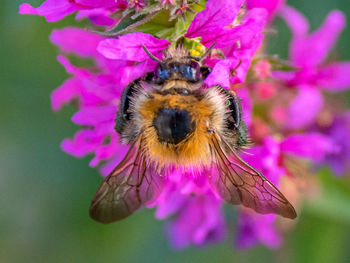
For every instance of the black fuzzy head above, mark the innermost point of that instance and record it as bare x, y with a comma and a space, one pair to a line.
173, 125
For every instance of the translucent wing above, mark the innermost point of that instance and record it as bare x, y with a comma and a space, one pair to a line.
239, 183
134, 182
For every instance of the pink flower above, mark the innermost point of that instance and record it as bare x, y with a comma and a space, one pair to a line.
254, 229
307, 53
271, 6
137, 4
195, 209
54, 10
238, 42
98, 93
268, 159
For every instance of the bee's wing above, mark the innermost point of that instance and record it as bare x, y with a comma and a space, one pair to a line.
239, 183
132, 183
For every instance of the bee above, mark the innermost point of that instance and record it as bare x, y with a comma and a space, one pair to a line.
170, 120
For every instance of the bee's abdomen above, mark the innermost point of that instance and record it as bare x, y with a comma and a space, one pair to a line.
173, 125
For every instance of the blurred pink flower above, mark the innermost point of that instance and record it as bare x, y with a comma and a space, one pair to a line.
254, 228
307, 53
268, 159
195, 209
271, 6
97, 11
339, 131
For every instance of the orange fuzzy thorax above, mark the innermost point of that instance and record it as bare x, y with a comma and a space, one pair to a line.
194, 149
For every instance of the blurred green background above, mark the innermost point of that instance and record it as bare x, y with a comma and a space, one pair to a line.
45, 193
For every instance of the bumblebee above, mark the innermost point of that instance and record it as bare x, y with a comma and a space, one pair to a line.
171, 120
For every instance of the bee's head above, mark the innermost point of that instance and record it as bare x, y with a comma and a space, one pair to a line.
179, 65
173, 70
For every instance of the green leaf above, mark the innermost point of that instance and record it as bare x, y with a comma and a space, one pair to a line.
126, 24
156, 22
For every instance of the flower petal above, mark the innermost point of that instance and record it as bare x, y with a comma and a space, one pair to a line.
296, 21
70, 89
335, 76
70, 40
129, 46
220, 74
199, 222
83, 143
271, 6
339, 132
313, 49
255, 228
98, 16
250, 28
52, 10
94, 115
216, 15
304, 108
313, 146
27, 9
97, 3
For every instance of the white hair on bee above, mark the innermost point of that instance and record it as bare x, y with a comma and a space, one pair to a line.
178, 53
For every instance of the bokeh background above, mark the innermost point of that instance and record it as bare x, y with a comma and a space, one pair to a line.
45, 193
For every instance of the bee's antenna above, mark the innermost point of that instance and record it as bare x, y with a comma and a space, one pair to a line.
150, 55
180, 42
206, 52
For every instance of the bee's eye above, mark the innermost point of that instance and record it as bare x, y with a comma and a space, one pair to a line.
191, 72
235, 107
187, 73
161, 73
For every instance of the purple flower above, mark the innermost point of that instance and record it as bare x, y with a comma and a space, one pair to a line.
268, 159
96, 10
254, 229
339, 131
307, 53
196, 210
198, 222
